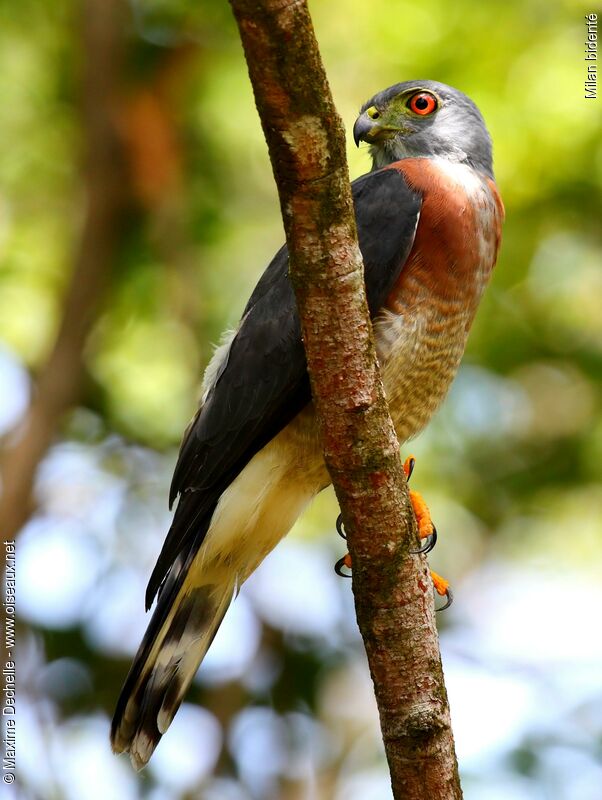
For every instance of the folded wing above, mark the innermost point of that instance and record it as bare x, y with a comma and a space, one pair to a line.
262, 382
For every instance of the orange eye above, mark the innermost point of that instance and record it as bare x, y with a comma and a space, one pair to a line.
422, 103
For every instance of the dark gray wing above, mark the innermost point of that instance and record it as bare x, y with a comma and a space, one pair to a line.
263, 383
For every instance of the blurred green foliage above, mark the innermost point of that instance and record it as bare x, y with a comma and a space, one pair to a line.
511, 465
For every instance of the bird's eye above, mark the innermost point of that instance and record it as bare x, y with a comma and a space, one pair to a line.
422, 103
373, 112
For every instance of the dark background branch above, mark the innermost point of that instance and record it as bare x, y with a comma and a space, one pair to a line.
59, 382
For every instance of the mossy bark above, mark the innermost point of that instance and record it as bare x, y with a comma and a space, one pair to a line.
392, 587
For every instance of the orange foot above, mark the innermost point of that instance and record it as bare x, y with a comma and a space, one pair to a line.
442, 588
426, 530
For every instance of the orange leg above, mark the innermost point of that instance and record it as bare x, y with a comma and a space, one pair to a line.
421, 510
422, 514
426, 530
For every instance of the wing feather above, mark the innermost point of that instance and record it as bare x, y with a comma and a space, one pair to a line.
263, 382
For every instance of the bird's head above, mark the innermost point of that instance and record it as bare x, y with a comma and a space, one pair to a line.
424, 119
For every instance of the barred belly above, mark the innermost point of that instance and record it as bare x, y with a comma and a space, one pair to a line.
419, 357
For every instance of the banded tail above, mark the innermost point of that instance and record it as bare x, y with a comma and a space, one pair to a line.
189, 612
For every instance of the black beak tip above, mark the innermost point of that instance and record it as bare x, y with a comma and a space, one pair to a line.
359, 130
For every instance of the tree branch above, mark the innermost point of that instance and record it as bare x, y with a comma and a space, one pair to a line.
392, 588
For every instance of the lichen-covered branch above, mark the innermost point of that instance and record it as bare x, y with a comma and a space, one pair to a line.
392, 588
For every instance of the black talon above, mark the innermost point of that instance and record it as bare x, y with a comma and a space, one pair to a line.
431, 541
411, 466
338, 568
450, 600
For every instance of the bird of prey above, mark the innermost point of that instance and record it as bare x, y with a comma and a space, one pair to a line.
429, 221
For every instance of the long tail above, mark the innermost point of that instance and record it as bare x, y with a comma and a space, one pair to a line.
182, 627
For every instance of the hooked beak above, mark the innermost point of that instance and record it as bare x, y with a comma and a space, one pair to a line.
366, 130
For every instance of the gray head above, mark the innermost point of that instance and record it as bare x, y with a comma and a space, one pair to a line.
421, 119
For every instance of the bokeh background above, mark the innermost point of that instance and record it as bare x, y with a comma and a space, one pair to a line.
137, 210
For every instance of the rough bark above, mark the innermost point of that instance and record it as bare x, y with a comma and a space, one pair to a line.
392, 587
58, 384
